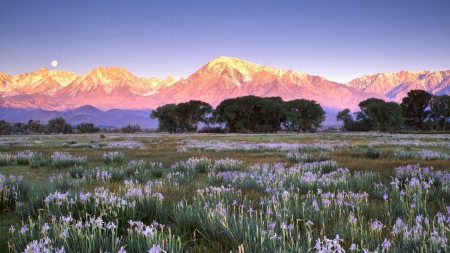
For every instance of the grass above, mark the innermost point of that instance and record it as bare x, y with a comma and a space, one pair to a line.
203, 229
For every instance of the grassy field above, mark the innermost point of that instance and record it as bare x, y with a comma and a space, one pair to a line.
325, 192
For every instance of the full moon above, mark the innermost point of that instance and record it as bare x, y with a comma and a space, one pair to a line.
54, 63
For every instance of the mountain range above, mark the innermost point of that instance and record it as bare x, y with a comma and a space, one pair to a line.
109, 88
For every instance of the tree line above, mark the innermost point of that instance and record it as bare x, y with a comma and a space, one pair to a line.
56, 126
242, 115
419, 110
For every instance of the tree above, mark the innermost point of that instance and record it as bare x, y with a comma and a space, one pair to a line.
272, 115
414, 107
193, 112
35, 126
384, 116
304, 115
347, 118
57, 125
5, 128
131, 128
20, 128
167, 118
250, 114
362, 122
226, 112
67, 129
445, 113
87, 128
440, 110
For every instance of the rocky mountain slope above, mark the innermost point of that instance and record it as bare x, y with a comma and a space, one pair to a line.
114, 87
396, 86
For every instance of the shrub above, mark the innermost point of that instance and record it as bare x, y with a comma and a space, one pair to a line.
113, 157
228, 165
211, 130
5, 159
38, 160
372, 153
400, 154
65, 160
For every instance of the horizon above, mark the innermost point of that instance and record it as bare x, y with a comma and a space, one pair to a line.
339, 41
56, 69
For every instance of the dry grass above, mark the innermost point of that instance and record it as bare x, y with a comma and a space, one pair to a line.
163, 148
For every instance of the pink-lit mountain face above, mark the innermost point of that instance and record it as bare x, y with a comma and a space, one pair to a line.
108, 88
396, 86
42, 81
225, 77
219, 79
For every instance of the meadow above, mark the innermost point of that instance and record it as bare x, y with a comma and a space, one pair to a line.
323, 192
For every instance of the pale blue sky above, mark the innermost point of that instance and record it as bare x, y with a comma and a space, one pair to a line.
339, 40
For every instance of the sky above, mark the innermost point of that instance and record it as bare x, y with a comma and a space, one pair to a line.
337, 39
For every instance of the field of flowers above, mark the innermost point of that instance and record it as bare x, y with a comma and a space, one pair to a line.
328, 192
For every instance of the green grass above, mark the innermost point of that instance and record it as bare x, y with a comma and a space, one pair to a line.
164, 149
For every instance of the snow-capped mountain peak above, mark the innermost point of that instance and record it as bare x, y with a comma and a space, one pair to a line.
219, 79
396, 85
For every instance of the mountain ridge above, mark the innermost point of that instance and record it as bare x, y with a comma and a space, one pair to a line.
221, 78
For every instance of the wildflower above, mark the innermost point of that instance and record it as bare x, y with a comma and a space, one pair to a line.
24, 229
99, 222
352, 218
386, 244
274, 236
377, 225
64, 234
272, 224
45, 227
149, 231
156, 249
111, 225
385, 196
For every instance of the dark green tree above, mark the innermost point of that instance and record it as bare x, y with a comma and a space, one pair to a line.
35, 126
193, 112
6, 128
131, 128
272, 115
250, 114
440, 111
167, 118
57, 125
304, 115
20, 128
67, 129
362, 122
347, 119
384, 116
87, 128
445, 113
226, 113
414, 107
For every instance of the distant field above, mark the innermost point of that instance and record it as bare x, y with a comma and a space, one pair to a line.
325, 192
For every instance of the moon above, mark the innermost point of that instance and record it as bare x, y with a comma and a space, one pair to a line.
54, 63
